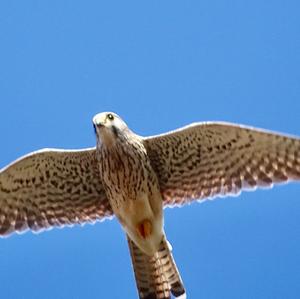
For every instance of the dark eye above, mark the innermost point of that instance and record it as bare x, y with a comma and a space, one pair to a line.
110, 116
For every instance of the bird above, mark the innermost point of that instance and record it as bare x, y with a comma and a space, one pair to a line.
133, 178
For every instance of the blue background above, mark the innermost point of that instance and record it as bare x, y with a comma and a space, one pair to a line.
160, 65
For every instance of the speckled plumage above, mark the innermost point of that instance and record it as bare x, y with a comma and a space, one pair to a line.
205, 160
51, 188
133, 177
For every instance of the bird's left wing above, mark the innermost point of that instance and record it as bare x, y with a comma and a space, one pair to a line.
51, 188
205, 160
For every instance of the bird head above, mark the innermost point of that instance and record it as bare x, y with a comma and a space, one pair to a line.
109, 127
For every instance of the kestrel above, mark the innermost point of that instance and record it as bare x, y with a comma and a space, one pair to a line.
134, 178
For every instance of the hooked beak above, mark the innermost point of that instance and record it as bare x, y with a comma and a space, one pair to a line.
95, 128
98, 122
98, 126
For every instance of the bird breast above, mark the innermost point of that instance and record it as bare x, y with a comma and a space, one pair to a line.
132, 189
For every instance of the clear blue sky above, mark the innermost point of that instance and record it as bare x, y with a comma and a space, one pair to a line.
160, 65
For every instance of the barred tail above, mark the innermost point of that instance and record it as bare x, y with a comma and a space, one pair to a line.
156, 276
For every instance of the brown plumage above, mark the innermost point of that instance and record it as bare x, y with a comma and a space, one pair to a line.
156, 276
133, 177
51, 188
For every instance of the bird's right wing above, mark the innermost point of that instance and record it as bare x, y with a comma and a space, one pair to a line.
51, 188
205, 160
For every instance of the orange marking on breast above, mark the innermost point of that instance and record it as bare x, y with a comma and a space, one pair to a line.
145, 228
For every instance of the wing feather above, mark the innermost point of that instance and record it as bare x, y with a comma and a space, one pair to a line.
50, 188
205, 160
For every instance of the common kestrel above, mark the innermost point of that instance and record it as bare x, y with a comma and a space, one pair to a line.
134, 177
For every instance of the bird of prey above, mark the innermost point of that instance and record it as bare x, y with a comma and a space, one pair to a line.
134, 178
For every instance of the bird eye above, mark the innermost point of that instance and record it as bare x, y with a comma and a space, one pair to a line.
110, 116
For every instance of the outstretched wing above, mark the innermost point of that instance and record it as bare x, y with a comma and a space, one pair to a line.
51, 188
208, 159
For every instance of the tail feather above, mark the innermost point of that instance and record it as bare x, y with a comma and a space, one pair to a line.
156, 276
